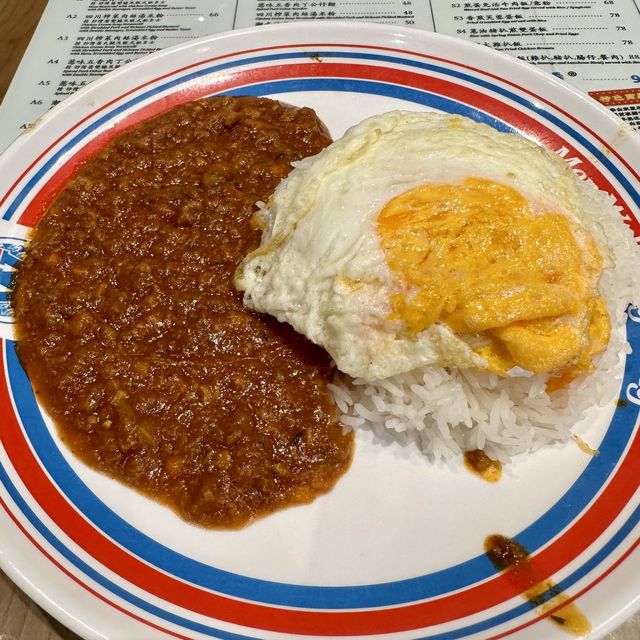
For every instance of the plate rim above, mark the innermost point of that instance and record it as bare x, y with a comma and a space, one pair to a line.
317, 25
279, 28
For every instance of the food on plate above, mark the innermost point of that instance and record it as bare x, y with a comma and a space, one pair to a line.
137, 342
480, 464
470, 287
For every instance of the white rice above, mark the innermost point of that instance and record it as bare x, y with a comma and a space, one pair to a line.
448, 411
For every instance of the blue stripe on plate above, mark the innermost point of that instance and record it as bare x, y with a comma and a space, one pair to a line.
354, 85
161, 613
430, 585
115, 589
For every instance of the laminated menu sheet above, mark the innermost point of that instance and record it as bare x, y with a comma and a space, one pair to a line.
591, 44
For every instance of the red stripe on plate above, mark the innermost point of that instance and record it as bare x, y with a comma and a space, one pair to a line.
73, 577
43, 198
580, 593
106, 106
415, 616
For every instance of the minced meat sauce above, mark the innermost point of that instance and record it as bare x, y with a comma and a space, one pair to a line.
136, 341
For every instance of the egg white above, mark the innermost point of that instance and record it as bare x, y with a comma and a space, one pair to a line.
320, 266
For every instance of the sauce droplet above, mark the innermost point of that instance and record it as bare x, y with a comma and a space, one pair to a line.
511, 557
478, 462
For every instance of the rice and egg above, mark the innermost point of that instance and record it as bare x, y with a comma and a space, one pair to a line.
455, 275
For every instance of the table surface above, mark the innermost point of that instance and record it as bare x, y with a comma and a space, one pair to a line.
20, 617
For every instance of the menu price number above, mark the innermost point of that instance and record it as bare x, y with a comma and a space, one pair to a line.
410, 15
635, 78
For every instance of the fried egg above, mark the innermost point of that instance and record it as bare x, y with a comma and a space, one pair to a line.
428, 238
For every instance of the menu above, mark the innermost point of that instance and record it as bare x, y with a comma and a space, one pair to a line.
591, 44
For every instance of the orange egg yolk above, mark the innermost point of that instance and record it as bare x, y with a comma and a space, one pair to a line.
521, 285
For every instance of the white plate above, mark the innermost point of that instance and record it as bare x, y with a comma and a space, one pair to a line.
396, 549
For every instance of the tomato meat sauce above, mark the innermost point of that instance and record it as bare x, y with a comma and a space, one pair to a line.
137, 343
